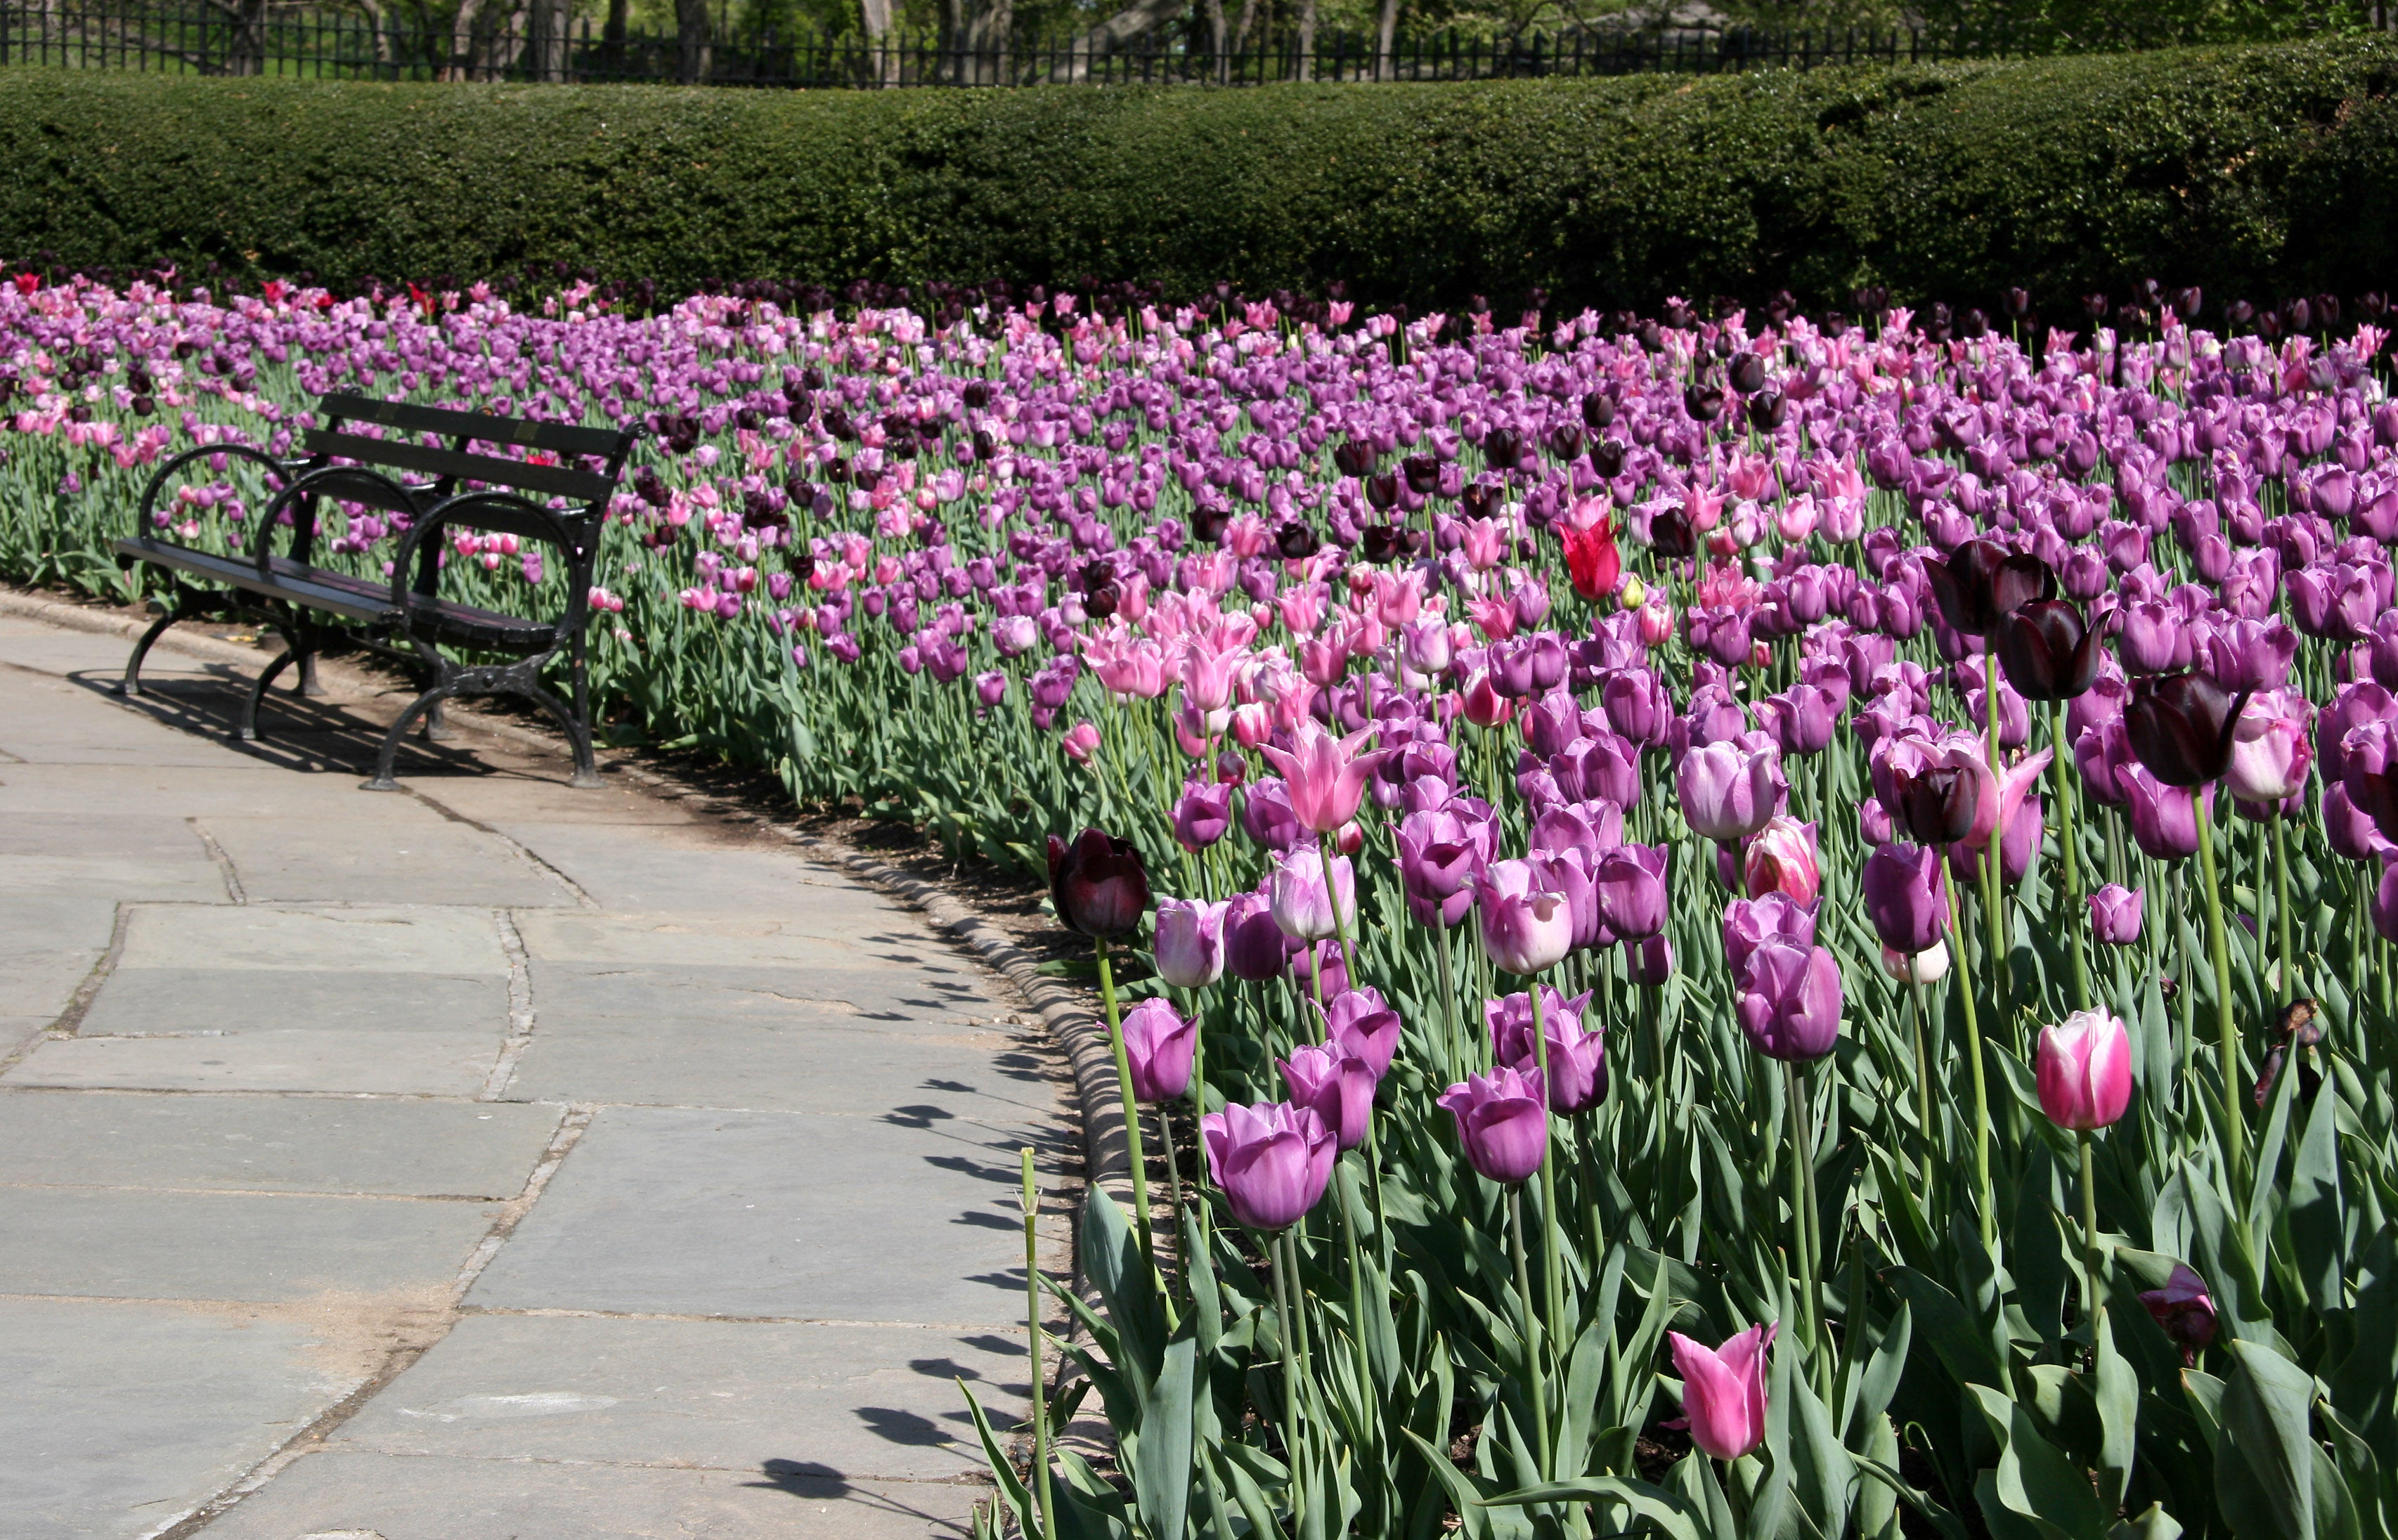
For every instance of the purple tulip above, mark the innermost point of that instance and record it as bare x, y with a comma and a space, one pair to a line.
1159, 1045
2115, 914
1201, 814
1266, 814
2350, 830
1651, 961
1637, 704
1190, 946
2165, 818
1630, 886
1302, 907
1440, 857
2251, 654
1500, 1122
1749, 924
2385, 903
1728, 790
2019, 842
1272, 1161
2185, 1311
1905, 897
1255, 948
1338, 1086
1788, 999
1360, 1020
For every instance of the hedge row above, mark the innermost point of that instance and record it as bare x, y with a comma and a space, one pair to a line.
2252, 170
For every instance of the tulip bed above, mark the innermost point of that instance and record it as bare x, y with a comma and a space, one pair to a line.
1756, 928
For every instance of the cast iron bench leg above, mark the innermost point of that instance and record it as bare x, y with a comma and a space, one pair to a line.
186, 605
246, 731
388, 755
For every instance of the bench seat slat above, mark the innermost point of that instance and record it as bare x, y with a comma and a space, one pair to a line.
558, 480
354, 597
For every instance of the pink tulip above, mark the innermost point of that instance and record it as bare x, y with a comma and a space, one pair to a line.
1723, 1390
1781, 858
1526, 926
1326, 774
2271, 752
1081, 741
1729, 790
2084, 1071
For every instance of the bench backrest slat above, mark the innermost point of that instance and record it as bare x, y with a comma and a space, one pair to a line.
559, 438
556, 481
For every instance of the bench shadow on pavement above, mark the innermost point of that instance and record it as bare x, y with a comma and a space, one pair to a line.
295, 733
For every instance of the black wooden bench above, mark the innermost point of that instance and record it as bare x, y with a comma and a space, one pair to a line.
430, 487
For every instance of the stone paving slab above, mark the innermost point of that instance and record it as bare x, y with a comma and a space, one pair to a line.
131, 833
377, 936
944, 999
369, 1062
194, 1395
703, 1062
340, 1496
272, 1143
673, 1212
193, 879
398, 849
853, 929
49, 946
242, 786
692, 872
183, 999
213, 1245
838, 1400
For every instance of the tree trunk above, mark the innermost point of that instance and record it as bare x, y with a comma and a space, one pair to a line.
1384, 35
1215, 37
983, 47
611, 39
1248, 24
462, 41
549, 23
1307, 39
881, 65
695, 42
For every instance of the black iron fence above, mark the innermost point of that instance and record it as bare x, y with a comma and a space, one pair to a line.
540, 43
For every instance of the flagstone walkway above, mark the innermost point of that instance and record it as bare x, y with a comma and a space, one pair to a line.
492, 1161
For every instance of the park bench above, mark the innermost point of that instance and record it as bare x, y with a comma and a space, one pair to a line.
432, 487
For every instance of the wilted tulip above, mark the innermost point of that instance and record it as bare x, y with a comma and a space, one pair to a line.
2115, 914
2083, 1069
1159, 1045
1723, 1390
1190, 948
1097, 883
1272, 1161
1501, 1123
2185, 1311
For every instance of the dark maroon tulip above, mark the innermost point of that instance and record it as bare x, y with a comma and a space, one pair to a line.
1746, 373
1504, 448
1097, 884
1598, 411
2047, 650
1704, 403
1383, 491
2017, 302
1380, 543
1607, 457
1980, 581
1422, 473
1671, 535
1297, 541
1353, 457
1564, 442
2180, 726
1936, 807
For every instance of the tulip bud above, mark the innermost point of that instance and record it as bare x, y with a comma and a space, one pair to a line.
2084, 1071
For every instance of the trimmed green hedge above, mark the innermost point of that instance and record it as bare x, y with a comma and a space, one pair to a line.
2253, 170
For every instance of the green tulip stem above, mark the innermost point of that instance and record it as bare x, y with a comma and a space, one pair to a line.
1804, 1248
1453, 1031
1553, 1267
1536, 1388
1131, 1116
1365, 1394
2068, 837
2094, 1263
1339, 926
1033, 1328
1922, 1057
1981, 1081
2290, 988
1994, 889
1284, 1254
1173, 1193
2235, 1127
